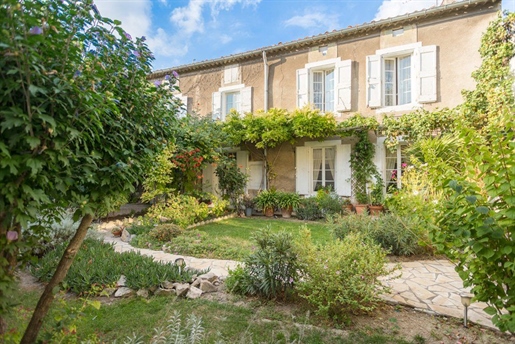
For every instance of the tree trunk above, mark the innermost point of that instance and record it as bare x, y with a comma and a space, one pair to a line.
47, 297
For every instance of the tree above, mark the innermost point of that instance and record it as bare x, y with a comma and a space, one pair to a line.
78, 120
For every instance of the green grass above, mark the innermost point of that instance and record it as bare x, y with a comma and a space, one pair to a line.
244, 228
254, 323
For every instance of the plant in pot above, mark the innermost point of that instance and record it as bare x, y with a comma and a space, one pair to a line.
248, 203
377, 197
267, 200
346, 205
362, 199
287, 201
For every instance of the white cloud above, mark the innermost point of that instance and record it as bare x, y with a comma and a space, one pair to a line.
224, 39
314, 20
134, 15
189, 19
392, 8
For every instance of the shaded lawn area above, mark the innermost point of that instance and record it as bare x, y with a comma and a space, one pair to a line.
244, 228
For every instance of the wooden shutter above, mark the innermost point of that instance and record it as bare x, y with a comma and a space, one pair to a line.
302, 87
242, 158
374, 89
303, 177
246, 99
183, 110
210, 179
379, 156
217, 106
343, 170
256, 181
343, 83
426, 58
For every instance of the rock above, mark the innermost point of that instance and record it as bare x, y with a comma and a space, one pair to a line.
194, 293
153, 289
124, 292
126, 236
142, 293
108, 291
163, 292
211, 277
121, 282
196, 283
181, 289
167, 285
207, 287
216, 283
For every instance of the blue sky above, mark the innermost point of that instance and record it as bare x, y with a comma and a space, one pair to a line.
185, 31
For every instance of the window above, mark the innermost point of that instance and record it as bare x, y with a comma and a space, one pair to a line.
323, 168
326, 85
323, 90
396, 162
231, 74
323, 164
236, 97
401, 78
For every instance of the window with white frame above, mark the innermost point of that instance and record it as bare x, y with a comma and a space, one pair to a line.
323, 164
402, 78
236, 97
326, 85
396, 162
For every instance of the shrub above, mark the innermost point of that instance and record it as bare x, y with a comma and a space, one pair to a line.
308, 209
97, 263
271, 270
342, 276
165, 232
329, 202
395, 234
139, 229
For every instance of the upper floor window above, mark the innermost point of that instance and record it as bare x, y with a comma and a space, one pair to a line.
401, 78
236, 97
326, 85
231, 102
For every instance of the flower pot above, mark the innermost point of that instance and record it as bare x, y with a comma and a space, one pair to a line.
269, 211
376, 209
248, 212
117, 232
361, 208
347, 208
286, 212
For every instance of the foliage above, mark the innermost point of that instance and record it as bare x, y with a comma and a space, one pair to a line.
248, 201
139, 228
288, 199
97, 264
329, 202
271, 270
184, 210
396, 235
165, 232
377, 193
308, 209
158, 179
341, 277
267, 199
356, 124
191, 333
307, 122
231, 180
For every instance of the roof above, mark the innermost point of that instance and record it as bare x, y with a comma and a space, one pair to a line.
457, 8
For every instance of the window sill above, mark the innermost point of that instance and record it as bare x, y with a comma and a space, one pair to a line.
399, 108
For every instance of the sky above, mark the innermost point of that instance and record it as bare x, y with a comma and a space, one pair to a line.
185, 31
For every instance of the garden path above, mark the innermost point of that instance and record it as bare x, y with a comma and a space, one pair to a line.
432, 286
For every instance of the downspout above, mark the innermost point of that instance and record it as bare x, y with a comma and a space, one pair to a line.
265, 73
265, 108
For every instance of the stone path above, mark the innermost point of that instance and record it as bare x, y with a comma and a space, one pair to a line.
431, 285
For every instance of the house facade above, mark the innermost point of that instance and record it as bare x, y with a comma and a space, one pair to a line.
394, 66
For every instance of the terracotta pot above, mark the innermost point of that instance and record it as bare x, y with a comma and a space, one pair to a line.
376, 209
347, 208
361, 208
286, 212
269, 212
117, 233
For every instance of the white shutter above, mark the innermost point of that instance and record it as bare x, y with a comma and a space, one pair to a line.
374, 92
379, 156
302, 87
242, 158
343, 91
246, 99
303, 177
183, 110
256, 181
343, 170
426, 58
210, 179
217, 106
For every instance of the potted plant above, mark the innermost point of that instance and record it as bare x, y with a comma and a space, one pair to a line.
362, 199
248, 203
347, 205
287, 201
267, 200
377, 198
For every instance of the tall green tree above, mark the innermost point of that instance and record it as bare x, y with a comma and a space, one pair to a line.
78, 123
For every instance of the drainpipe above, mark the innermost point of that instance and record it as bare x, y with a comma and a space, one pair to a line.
265, 184
265, 95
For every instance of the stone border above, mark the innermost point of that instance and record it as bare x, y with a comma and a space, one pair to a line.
230, 216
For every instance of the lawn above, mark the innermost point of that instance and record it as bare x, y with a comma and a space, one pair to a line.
244, 228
